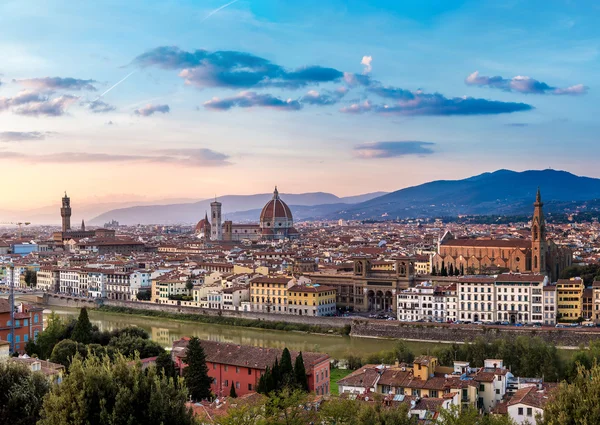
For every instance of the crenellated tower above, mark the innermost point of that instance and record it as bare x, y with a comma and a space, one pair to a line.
65, 213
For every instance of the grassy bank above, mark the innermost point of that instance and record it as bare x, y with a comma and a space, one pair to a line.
230, 321
336, 375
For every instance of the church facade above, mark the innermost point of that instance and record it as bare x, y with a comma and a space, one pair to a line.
275, 223
491, 256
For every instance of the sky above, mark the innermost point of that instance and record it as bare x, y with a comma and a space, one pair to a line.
192, 99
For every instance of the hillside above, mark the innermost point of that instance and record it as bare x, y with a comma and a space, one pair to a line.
501, 192
248, 207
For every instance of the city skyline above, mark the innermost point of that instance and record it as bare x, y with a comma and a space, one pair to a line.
187, 100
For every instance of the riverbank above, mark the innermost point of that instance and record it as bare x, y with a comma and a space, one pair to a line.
231, 321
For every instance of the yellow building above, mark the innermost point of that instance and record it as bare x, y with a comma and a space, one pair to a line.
269, 294
166, 286
311, 300
237, 269
569, 295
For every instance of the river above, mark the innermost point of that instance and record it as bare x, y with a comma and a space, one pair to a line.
165, 331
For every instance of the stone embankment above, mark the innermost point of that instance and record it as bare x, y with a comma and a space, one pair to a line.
562, 337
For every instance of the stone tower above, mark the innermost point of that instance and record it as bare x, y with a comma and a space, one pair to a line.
216, 230
65, 213
539, 246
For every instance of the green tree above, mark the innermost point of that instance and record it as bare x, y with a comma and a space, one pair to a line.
64, 352
128, 345
470, 416
196, 371
21, 395
243, 414
378, 414
300, 373
165, 364
353, 362
82, 332
403, 353
339, 411
286, 368
232, 392
287, 407
577, 402
144, 295
189, 284
98, 391
54, 332
30, 278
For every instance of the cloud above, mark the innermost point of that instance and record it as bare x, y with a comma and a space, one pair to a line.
249, 99
57, 83
437, 104
314, 97
231, 69
32, 103
98, 106
366, 61
372, 150
187, 157
150, 109
21, 136
522, 84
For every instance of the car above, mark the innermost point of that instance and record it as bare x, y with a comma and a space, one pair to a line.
505, 323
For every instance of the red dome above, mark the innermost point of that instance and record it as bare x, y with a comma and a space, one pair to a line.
203, 225
275, 209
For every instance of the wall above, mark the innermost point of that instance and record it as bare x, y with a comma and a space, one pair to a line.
52, 300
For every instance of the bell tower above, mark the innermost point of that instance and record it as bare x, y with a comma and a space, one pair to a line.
539, 246
65, 213
216, 230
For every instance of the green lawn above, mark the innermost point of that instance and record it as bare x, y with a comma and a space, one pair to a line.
336, 375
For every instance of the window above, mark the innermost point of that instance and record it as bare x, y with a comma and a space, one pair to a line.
237, 369
249, 386
249, 371
415, 393
520, 412
498, 391
481, 388
214, 366
226, 367
226, 383
237, 385
25, 337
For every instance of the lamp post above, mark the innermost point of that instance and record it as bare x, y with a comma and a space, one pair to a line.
12, 311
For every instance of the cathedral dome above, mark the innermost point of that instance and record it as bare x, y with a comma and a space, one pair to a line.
203, 226
276, 214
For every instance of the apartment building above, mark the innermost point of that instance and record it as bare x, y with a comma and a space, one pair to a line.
519, 297
168, 285
311, 300
476, 299
48, 279
270, 294
550, 305
569, 293
234, 296
596, 301
118, 285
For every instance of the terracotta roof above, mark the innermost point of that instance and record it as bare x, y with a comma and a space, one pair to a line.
488, 243
514, 277
246, 355
529, 396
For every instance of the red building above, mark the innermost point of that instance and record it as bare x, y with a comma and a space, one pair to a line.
29, 322
243, 365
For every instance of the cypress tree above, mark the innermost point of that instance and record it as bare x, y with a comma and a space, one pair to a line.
232, 393
286, 368
82, 332
300, 373
276, 376
261, 387
451, 270
196, 371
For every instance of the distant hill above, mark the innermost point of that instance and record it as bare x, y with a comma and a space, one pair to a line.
248, 207
502, 192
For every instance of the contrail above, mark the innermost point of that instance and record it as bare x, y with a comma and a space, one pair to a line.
219, 9
116, 84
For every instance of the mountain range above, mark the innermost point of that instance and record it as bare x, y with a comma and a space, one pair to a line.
502, 192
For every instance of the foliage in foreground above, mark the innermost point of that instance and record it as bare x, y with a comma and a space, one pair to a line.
21, 394
98, 391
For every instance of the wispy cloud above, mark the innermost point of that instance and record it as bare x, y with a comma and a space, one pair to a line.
328, 97
151, 109
437, 104
184, 157
98, 106
57, 83
373, 150
21, 136
522, 84
366, 61
32, 103
218, 10
249, 99
232, 69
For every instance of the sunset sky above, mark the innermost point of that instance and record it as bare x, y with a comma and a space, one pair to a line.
338, 96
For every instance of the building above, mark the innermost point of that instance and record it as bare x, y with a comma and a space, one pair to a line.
48, 279
52, 371
275, 223
569, 299
550, 305
476, 297
29, 323
587, 306
596, 290
311, 300
67, 233
270, 294
527, 404
166, 286
234, 296
366, 290
492, 256
520, 297
243, 365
